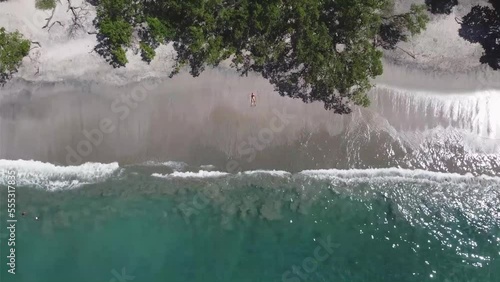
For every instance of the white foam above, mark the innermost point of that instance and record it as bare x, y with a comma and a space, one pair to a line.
171, 164
53, 177
175, 165
191, 174
280, 173
207, 167
395, 174
476, 112
368, 175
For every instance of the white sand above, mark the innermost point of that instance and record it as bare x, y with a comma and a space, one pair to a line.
63, 55
440, 47
439, 51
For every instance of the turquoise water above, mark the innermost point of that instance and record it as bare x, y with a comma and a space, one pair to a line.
365, 226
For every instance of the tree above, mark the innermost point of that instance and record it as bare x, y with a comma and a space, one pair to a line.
482, 25
13, 48
45, 4
114, 19
308, 49
441, 6
396, 28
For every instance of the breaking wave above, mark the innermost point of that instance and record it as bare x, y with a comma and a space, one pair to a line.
52, 177
191, 174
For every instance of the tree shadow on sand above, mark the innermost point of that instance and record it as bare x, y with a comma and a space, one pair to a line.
441, 6
482, 25
391, 35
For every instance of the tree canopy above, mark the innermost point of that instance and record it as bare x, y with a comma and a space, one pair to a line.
396, 28
441, 6
13, 48
482, 25
313, 50
45, 4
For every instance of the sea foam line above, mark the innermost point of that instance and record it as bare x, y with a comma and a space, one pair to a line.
212, 174
171, 164
376, 174
53, 177
191, 174
281, 173
395, 173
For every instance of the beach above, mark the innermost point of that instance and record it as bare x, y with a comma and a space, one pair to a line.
64, 93
134, 174
208, 120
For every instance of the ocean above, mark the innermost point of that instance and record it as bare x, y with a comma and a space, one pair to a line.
175, 222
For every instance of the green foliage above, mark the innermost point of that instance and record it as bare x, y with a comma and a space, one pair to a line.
397, 28
388, 7
45, 4
114, 20
119, 56
158, 30
308, 49
416, 20
114, 34
117, 9
118, 32
13, 48
147, 52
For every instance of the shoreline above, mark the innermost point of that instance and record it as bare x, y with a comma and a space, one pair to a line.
209, 120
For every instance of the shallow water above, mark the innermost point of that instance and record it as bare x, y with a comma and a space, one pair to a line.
321, 225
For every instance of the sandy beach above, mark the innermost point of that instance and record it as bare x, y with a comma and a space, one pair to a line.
79, 109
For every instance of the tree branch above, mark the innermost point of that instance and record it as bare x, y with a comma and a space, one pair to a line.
49, 18
37, 43
409, 54
78, 14
381, 43
58, 22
